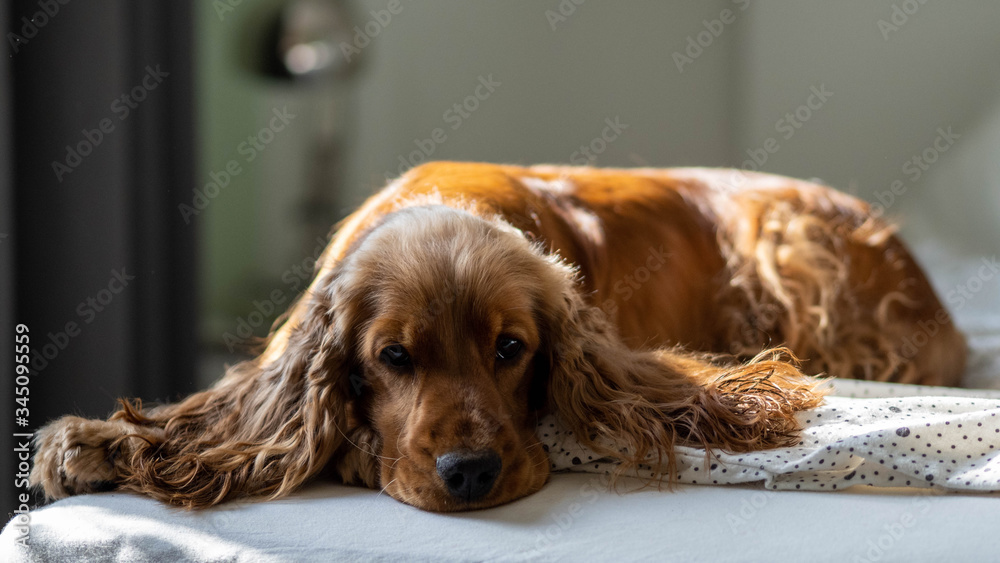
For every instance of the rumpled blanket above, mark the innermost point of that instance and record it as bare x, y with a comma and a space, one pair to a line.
937, 442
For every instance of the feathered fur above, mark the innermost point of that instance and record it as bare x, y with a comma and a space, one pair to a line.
651, 308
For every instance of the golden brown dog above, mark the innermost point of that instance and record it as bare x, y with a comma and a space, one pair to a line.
464, 300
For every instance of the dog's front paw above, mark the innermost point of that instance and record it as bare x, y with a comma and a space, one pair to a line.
72, 456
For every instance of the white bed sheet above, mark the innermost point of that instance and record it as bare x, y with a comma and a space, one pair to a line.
574, 517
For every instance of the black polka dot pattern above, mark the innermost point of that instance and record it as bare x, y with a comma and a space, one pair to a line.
920, 442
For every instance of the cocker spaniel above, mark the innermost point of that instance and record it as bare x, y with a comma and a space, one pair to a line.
647, 308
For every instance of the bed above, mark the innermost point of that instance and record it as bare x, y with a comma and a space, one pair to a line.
577, 516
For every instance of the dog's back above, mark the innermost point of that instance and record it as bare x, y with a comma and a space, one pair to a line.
716, 260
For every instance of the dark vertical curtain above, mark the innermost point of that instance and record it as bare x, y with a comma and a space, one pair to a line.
7, 316
102, 153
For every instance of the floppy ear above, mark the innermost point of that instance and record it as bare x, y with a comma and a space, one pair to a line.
627, 404
265, 428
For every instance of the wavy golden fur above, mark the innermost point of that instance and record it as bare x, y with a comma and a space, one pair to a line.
647, 308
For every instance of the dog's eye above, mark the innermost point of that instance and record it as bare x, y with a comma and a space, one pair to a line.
508, 348
395, 356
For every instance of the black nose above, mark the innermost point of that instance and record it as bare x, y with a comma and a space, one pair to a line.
469, 475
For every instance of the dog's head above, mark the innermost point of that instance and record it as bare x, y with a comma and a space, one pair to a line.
419, 361
446, 323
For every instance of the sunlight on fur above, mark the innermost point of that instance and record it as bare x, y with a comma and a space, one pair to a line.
645, 308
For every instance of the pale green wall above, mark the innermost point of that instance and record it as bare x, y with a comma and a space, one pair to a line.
259, 227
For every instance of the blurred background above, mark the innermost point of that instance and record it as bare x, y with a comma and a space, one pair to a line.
170, 169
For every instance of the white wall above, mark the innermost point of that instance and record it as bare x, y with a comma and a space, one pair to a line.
558, 85
896, 78
893, 90
962, 202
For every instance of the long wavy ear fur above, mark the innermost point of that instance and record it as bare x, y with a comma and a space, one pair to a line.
644, 403
264, 429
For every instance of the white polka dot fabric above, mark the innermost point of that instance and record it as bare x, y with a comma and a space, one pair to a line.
904, 441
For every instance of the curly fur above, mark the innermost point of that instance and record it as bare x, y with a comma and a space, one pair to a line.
792, 281
646, 402
654, 308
